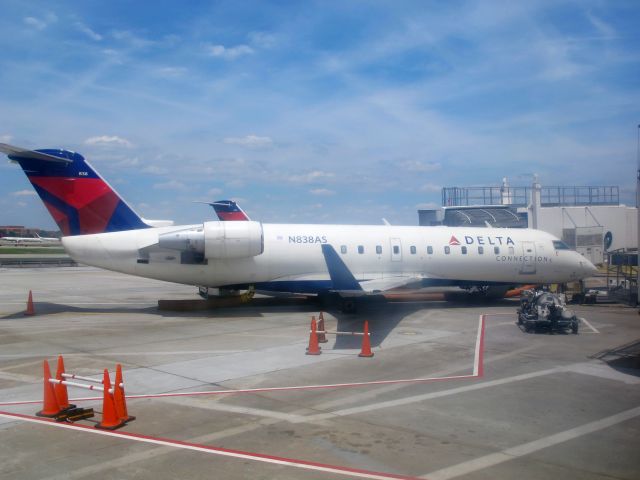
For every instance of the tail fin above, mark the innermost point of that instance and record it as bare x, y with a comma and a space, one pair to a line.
228, 210
78, 199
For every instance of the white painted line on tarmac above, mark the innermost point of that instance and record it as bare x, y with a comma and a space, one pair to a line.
257, 457
512, 453
432, 395
477, 358
595, 330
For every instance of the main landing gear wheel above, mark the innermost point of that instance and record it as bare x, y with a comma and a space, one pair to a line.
348, 305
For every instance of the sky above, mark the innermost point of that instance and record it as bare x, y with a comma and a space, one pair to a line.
319, 112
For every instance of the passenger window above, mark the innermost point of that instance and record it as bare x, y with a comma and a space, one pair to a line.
430, 250
480, 250
378, 249
360, 249
447, 250
343, 249
413, 250
496, 250
396, 249
464, 250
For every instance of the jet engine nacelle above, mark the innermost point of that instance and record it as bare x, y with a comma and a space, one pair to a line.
217, 240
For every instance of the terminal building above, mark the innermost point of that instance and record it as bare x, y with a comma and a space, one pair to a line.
590, 219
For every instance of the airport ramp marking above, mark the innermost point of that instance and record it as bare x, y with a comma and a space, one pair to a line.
512, 453
477, 373
257, 457
586, 322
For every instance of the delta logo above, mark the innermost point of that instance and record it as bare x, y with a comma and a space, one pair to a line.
482, 240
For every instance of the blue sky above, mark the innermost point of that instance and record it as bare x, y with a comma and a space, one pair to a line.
319, 112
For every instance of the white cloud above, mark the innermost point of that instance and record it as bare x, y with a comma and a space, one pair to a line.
5, 138
431, 188
321, 191
418, 166
171, 72
170, 185
214, 192
88, 32
603, 28
107, 141
229, 53
131, 39
310, 177
262, 39
24, 193
251, 141
155, 170
40, 23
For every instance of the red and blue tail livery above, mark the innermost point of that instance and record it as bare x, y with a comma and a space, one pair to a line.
79, 200
228, 211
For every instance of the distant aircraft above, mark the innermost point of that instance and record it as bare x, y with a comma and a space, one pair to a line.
49, 241
17, 241
339, 261
32, 241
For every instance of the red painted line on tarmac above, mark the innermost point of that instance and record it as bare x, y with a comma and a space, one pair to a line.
259, 457
478, 372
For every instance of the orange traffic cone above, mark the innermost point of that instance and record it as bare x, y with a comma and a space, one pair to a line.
50, 407
314, 348
365, 351
30, 310
110, 420
119, 397
322, 337
60, 389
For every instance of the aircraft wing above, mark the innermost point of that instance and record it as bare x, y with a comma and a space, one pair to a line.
346, 285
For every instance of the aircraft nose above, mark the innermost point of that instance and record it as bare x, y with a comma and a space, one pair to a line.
588, 268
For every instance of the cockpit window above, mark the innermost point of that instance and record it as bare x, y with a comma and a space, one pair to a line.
558, 245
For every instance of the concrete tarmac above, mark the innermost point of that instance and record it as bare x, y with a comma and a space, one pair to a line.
547, 406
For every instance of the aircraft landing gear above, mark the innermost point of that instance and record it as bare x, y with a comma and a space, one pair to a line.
348, 305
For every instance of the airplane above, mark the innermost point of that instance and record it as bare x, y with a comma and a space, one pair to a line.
340, 262
17, 241
49, 241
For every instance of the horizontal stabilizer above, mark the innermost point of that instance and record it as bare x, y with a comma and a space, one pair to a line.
18, 153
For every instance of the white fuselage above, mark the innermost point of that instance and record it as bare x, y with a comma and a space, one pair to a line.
293, 253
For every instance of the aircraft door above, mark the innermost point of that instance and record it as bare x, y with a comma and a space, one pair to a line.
396, 249
528, 258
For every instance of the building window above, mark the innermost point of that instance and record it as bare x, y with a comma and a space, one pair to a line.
343, 249
430, 250
378, 249
480, 250
464, 250
412, 249
496, 250
447, 250
360, 249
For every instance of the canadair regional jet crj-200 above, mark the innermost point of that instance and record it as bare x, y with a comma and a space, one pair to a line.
102, 230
